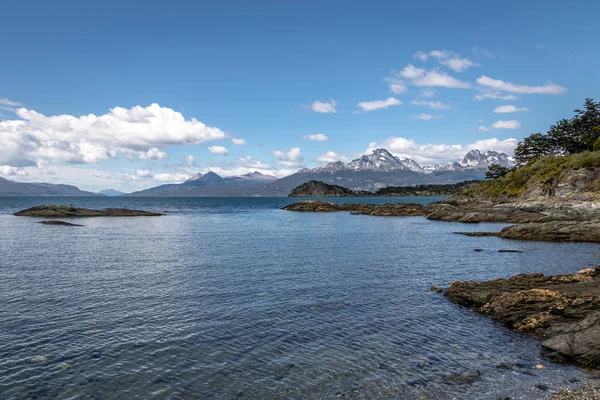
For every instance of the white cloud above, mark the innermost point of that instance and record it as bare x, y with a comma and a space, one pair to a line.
452, 60
9, 103
171, 178
426, 154
143, 173
490, 94
218, 150
291, 158
497, 84
331, 156
7, 170
427, 93
512, 124
324, 107
436, 105
397, 86
432, 78
238, 142
137, 132
426, 117
377, 104
419, 55
153, 154
189, 160
509, 109
317, 137
248, 162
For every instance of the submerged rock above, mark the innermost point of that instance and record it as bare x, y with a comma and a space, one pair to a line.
58, 211
58, 223
564, 310
469, 377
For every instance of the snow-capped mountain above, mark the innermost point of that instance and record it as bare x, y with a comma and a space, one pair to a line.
476, 159
379, 160
257, 177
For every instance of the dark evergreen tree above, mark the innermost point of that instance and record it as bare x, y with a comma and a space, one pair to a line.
496, 171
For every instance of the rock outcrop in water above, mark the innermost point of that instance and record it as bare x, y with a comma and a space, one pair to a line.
563, 310
53, 222
388, 209
58, 211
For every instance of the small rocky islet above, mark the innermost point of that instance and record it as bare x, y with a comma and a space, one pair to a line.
60, 211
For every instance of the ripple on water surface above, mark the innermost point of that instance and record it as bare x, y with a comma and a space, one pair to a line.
228, 298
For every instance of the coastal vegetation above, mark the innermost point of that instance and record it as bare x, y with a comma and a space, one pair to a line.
568, 152
321, 189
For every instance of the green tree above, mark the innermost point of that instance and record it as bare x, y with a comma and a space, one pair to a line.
496, 171
533, 147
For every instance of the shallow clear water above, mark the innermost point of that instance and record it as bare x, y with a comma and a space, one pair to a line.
234, 298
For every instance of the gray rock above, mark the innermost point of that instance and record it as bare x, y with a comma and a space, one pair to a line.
579, 341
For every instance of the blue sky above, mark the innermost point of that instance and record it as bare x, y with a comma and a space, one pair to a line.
421, 79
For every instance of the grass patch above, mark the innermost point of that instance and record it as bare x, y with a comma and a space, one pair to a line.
542, 172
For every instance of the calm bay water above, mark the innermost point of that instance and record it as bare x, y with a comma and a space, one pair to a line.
234, 298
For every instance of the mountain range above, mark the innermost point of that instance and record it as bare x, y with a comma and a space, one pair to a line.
12, 188
367, 173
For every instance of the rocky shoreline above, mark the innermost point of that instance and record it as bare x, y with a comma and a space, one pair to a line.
545, 219
58, 211
563, 310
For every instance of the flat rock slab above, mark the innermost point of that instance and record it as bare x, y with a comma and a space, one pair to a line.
55, 211
53, 222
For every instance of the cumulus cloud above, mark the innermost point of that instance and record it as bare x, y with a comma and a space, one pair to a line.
324, 107
317, 137
137, 132
427, 154
512, 124
218, 150
238, 142
143, 173
189, 160
397, 86
291, 158
491, 94
7, 170
452, 60
436, 105
427, 93
427, 78
248, 162
419, 55
377, 104
152, 154
509, 109
497, 84
426, 117
331, 156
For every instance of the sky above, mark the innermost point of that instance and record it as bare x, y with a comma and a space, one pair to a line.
133, 94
